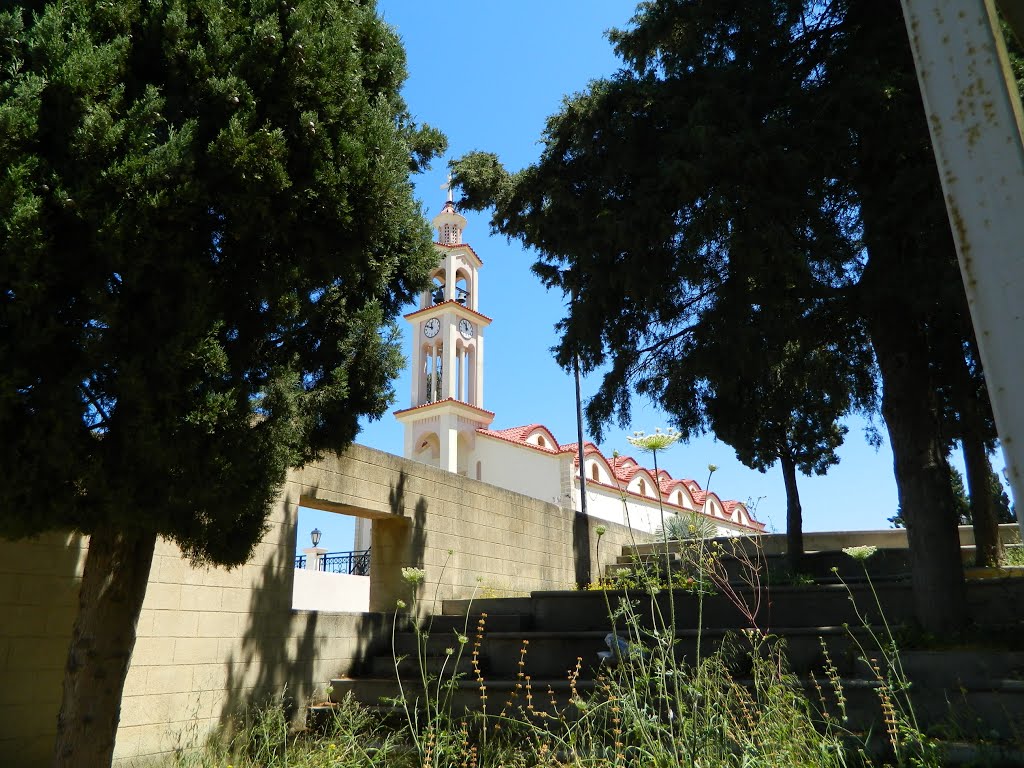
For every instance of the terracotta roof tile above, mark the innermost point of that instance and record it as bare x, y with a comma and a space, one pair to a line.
624, 468
445, 400
461, 245
479, 315
519, 435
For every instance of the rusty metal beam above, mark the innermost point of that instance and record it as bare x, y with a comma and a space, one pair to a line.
974, 116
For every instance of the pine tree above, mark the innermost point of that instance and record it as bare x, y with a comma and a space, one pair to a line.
773, 155
206, 230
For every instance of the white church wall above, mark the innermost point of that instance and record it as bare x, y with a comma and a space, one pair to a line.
524, 470
607, 504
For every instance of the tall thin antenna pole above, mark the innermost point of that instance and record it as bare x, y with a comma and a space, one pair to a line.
579, 421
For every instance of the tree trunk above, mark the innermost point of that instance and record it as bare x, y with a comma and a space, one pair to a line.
794, 516
110, 599
976, 428
922, 473
988, 548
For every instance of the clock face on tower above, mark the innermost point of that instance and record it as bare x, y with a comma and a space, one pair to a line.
466, 328
431, 327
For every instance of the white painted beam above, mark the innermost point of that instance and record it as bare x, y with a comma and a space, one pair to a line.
974, 116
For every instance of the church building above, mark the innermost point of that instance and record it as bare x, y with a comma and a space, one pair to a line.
447, 425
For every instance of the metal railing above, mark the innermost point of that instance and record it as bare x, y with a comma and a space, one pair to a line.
355, 563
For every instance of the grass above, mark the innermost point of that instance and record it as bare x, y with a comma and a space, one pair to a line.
737, 706
734, 706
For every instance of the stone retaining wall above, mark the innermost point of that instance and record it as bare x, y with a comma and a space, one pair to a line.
212, 641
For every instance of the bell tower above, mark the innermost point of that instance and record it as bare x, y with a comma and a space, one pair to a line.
447, 355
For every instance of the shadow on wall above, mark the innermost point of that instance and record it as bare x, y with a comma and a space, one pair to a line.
280, 648
39, 579
418, 537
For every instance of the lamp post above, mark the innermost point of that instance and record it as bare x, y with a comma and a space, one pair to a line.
314, 554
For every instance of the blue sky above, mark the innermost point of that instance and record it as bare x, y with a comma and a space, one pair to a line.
488, 74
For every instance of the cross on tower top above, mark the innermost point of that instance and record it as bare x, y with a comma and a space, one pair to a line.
448, 186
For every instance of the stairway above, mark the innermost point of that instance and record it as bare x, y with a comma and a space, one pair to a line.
547, 645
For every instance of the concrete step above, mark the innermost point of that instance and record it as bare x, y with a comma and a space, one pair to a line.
492, 606
467, 625
885, 563
811, 606
556, 654
410, 665
511, 696
992, 713
962, 668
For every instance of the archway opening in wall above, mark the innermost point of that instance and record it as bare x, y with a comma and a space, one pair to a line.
332, 574
462, 288
428, 449
437, 288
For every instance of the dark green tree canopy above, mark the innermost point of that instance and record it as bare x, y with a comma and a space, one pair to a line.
206, 228
756, 173
687, 212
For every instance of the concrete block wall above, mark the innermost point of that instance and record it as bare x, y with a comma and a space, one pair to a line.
462, 532
38, 600
212, 641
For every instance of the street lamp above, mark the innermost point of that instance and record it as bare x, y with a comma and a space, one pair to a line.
314, 536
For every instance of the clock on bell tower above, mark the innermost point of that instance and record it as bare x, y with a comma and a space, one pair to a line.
447, 354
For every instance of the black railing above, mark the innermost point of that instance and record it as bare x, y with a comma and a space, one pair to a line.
356, 563
353, 563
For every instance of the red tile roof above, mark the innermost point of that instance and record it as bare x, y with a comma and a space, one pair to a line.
623, 468
461, 245
404, 411
479, 315
518, 436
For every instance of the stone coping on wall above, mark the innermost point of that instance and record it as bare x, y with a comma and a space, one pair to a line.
822, 541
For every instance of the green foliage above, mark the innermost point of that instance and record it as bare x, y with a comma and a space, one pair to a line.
1005, 512
770, 165
688, 525
263, 738
206, 230
674, 168
647, 706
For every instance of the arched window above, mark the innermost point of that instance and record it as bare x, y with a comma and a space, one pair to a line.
463, 287
679, 498
540, 441
595, 474
642, 487
437, 288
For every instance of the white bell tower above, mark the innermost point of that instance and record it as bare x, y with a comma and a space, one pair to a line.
447, 355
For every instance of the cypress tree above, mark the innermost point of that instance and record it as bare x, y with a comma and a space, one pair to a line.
206, 229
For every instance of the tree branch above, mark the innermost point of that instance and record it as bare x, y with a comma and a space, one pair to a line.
94, 401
